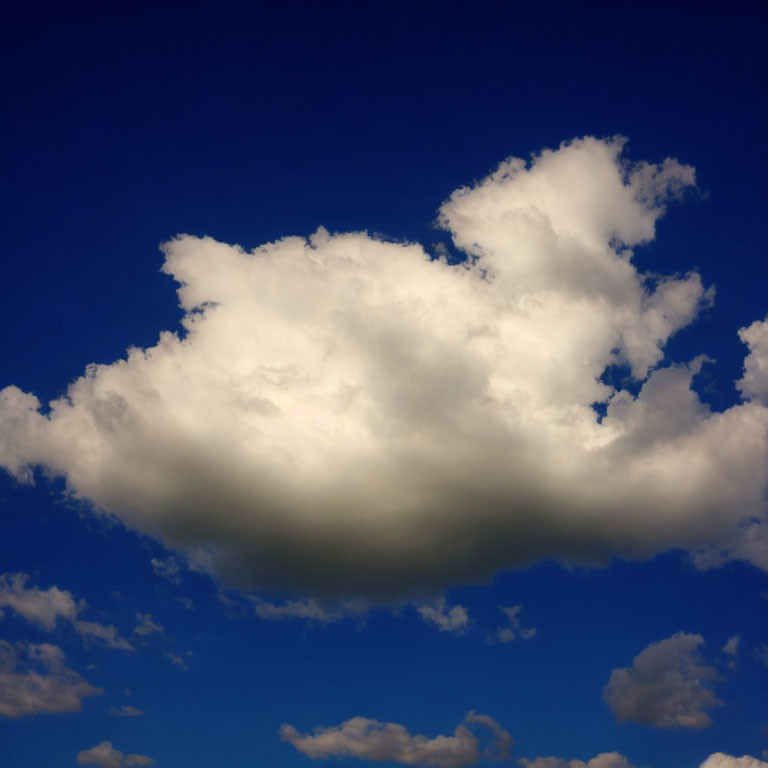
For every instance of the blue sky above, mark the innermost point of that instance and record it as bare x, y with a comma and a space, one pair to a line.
465, 460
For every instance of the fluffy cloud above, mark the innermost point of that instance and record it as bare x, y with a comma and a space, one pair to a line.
35, 679
105, 755
515, 628
719, 760
454, 619
46, 607
346, 414
603, 760
667, 685
373, 740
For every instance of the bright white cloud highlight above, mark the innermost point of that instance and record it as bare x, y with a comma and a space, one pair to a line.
667, 686
104, 755
346, 414
34, 679
369, 739
603, 760
45, 607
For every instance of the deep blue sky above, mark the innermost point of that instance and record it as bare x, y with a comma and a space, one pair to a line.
124, 124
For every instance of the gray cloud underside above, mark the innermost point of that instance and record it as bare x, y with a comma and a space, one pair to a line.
347, 415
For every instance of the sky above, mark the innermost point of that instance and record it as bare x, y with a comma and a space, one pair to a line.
384, 384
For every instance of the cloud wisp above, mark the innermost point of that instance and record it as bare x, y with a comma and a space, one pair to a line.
514, 628
346, 415
34, 679
667, 686
454, 619
45, 607
373, 740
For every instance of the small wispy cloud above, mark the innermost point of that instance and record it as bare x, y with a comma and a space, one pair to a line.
45, 608
167, 568
146, 626
453, 619
126, 710
514, 628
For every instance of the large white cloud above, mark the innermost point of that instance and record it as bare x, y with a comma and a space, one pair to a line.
373, 740
668, 685
34, 679
346, 414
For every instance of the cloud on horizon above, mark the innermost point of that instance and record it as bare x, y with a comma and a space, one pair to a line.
346, 415
373, 740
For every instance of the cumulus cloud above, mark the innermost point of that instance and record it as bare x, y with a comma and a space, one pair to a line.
105, 755
720, 760
454, 619
515, 627
667, 686
45, 607
34, 679
369, 739
346, 414
603, 760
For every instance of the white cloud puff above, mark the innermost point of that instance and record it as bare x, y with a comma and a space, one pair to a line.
348, 415
105, 755
720, 760
667, 686
34, 679
603, 760
369, 739
45, 607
